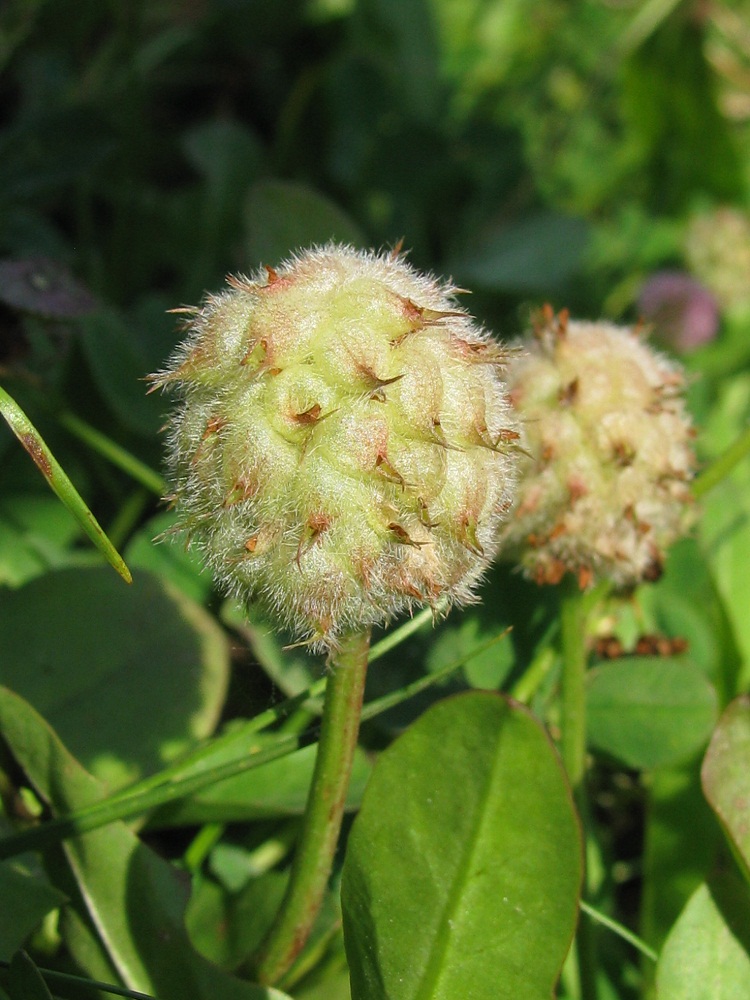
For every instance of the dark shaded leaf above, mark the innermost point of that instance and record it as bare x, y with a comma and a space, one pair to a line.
282, 217
538, 253
44, 287
25, 980
134, 898
27, 896
90, 653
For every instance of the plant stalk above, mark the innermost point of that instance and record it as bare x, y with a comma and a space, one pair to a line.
573, 705
573, 748
321, 824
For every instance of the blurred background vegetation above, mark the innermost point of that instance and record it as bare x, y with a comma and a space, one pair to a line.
533, 149
593, 154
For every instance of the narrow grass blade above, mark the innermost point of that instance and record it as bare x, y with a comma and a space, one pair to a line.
52, 471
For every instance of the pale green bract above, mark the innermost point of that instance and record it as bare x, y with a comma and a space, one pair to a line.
606, 486
344, 449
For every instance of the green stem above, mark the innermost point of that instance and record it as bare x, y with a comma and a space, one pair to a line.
198, 769
321, 823
573, 706
114, 453
573, 747
723, 465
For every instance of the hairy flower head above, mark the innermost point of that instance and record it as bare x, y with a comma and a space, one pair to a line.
605, 488
343, 449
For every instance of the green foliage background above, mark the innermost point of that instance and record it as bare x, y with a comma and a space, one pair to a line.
536, 151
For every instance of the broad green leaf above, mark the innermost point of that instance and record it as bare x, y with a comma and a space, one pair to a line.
291, 670
681, 839
649, 711
119, 366
523, 256
52, 471
726, 777
725, 521
103, 662
463, 867
402, 38
276, 789
226, 153
282, 217
82, 941
135, 899
229, 157
459, 634
227, 927
154, 549
487, 671
685, 603
669, 99
27, 896
505, 600
35, 536
25, 980
706, 955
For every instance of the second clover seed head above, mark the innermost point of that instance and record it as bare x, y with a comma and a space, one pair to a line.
605, 488
343, 449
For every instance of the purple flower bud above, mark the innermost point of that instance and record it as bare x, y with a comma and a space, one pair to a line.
683, 312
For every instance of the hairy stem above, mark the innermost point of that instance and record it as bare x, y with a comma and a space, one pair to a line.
573, 706
573, 747
321, 824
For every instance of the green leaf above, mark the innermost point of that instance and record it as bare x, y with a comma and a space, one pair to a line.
464, 860
27, 897
706, 955
686, 603
33, 537
523, 256
155, 549
649, 711
670, 100
459, 635
25, 980
227, 927
681, 840
487, 671
229, 157
226, 153
281, 217
90, 654
274, 790
331, 984
134, 898
725, 522
291, 670
726, 777
119, 366
50, 468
